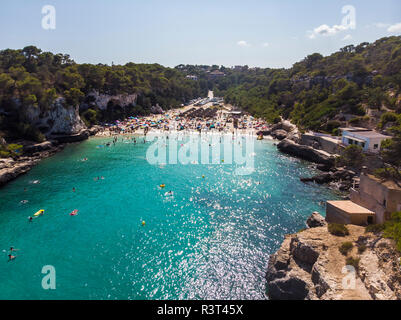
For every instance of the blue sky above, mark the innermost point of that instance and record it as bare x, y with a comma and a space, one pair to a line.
265, 33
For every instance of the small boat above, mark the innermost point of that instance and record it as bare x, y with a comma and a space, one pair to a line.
74, 213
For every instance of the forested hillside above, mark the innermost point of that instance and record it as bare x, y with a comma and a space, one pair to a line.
32, 79
359, 85
319, 92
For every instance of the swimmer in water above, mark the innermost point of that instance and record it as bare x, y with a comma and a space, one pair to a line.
24, 201
11, 257
30, 219
73, 189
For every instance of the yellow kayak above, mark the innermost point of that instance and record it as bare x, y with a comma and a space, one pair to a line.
41, 211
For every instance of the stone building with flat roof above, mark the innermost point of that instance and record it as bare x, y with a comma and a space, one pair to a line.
348, 212
382, 197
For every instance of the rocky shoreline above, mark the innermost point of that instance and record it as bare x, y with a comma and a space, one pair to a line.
289, 137
11, 168
306, 153
310, 266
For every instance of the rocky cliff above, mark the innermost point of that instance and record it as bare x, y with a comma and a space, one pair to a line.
59, 119
101, 100
310, 266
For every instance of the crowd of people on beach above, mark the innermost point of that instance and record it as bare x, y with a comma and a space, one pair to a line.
200, 120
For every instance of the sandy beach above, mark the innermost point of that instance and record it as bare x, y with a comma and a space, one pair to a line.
179, 121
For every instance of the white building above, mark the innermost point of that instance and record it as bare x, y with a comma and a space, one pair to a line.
192, 77
368, 140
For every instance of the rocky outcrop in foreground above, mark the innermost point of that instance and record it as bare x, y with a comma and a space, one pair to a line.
305, 152
341, 177
309, 266
12, 168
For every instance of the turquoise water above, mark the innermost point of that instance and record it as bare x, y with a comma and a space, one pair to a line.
210, 240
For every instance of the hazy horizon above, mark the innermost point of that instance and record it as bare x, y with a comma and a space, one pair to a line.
259, 33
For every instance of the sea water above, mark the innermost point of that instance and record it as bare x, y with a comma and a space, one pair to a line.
210, 239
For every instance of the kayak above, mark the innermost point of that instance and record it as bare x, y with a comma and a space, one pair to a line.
40, 212
74, 213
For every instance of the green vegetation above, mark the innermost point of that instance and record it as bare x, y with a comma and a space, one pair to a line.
358, 121
317, 93
352, 156
391, 151
374, 228
392, 229
318, 90
389, 117
90, 117
337, 229
345, 248
32, 80
28, 131
361, 248
351, 261
10, 150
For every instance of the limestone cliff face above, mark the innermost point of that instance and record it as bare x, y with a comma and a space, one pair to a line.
59, 119
102, 100
309, 265
62, 119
